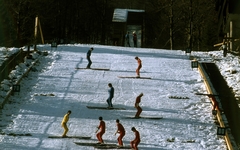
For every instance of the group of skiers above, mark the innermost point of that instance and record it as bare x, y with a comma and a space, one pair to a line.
120, 129
136, 105
90, 62
101, 128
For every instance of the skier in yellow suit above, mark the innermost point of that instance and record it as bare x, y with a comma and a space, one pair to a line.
64, 123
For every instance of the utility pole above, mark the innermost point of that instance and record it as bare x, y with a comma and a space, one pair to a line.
37, 25
171, 25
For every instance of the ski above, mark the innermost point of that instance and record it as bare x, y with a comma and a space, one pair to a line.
143, 117
132, 77
77, 137
93, 144
111, 147
106, 108
95, 69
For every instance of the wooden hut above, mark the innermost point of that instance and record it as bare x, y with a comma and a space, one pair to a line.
229, 23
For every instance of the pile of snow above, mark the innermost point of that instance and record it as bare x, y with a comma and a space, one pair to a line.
6, 52
229, 67
16, 74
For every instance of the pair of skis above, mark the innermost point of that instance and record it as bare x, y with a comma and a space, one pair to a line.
103, 146
95, 145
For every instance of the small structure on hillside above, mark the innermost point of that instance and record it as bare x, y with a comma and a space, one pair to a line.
124, 21
229, 23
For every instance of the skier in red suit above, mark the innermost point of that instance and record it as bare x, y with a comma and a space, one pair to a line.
102, 128
139, 109
134, 143
121, 131
139, 66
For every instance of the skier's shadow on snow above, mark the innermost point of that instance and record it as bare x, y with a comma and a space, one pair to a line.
78, 64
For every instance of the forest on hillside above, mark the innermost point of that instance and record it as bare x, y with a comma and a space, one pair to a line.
169, 24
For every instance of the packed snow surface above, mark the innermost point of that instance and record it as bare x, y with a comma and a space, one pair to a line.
55, 86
